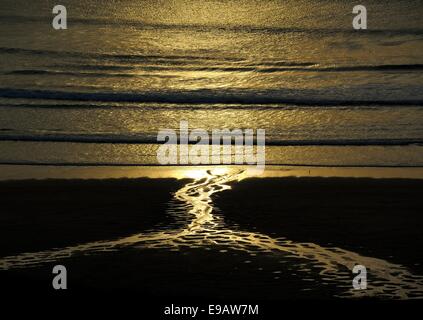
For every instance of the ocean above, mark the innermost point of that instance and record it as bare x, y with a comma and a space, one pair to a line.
99, 92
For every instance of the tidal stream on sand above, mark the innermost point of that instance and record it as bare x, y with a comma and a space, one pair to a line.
208, 230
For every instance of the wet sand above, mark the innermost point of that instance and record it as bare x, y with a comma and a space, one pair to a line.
376, 218
42, 214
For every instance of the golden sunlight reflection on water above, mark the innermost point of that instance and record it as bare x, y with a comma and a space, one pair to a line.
22, 172
207, 230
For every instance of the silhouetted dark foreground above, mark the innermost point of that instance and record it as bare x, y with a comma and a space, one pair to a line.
307, 216
376, 217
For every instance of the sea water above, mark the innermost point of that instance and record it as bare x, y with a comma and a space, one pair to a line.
100, 91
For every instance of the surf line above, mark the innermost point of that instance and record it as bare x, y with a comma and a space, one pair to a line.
207, 230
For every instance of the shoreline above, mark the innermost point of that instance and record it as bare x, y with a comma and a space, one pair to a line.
41, 172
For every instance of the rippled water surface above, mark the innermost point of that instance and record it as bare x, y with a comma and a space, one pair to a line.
125, 69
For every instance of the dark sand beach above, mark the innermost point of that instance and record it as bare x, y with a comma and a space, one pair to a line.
42, 214
378, 218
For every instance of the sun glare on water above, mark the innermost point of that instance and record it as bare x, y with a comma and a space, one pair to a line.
204, 172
